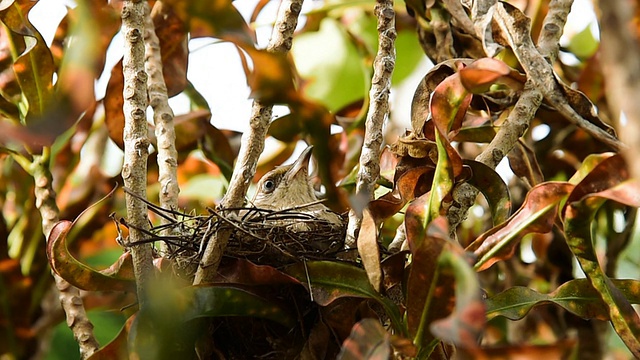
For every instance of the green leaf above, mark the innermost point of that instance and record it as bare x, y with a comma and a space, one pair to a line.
583, 44
604, 182
33, 66
212, 300
331, 66
576, 296
328, 281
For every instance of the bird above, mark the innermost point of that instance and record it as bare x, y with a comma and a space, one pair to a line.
289, 187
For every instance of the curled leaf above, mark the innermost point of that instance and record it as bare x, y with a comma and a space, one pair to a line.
116, 278
536, 215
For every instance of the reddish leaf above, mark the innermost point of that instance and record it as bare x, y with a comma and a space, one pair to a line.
118, 348
244, 272
524, 164
368, 340
317, 121
536, 215
562, 349
79, 274
388, 164
216, 146
172, 33
272, 78
448, 106
482, 73
422, 96
113, 103
286, 128
413, 182
216, 18
467, 321
429, 295
368, 249
607, 172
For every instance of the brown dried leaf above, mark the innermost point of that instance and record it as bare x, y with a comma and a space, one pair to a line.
369, 250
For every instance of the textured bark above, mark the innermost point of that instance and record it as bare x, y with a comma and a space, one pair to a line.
69, 296
383, 65
525, 109
136, 143
162, 118
252, 144
541, 72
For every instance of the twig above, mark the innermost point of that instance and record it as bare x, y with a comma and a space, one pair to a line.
620, 54
383, 65
69, 296
136, 143
162, 117
252, 144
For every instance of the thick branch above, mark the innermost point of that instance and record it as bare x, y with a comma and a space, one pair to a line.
252, 144
541, 72
549, 39
162, 117
136, 143
69, 296
383, 65
523, 112
620, 52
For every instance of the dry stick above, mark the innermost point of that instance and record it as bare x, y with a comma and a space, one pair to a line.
252, 145
523, 112
163, 119
620, 53
69, 295
136, 143
383, 65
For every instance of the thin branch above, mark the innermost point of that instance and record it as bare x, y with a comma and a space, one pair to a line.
69, 296
162, 117
252, 144
383, 66
620, 54
136, 143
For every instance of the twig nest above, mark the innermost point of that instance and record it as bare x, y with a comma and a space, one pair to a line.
283, 237
264, 237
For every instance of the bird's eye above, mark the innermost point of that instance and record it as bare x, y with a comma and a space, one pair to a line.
268, 186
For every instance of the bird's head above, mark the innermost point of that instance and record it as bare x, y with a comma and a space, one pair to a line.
286, 186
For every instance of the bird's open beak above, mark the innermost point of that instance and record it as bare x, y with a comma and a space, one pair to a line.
301, 165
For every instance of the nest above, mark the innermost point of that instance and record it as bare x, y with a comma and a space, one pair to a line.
264, 237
